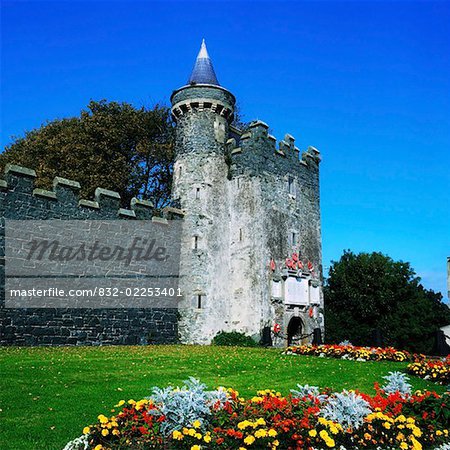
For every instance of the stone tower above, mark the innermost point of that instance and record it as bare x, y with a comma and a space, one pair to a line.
251, 244
203, 111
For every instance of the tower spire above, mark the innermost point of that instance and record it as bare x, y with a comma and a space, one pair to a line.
203, 71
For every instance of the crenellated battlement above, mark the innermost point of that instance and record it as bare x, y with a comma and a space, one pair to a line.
257, 148
22, 200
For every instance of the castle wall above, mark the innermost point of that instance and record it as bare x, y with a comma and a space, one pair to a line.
57, 326
247, 202
265, 215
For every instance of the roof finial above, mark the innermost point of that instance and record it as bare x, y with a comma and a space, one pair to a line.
203, 72
203, 53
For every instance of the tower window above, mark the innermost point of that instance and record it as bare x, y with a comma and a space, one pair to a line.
195, 243
241, 236
199, 301
180, 170
291, 185
197, 193
293, 239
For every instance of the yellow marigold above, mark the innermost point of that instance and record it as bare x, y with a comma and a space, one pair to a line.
140, 404
116, 432
416, 444
400, 437
102, 418
105, 432
334, 429
249, 440
197, 424
244, 424
261, 433
196, 447
272, 432
177, 435
98, 447
324, 435
207, 438
260, 421
312, 433
86, 430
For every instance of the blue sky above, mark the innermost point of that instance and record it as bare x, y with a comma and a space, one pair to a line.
367, 83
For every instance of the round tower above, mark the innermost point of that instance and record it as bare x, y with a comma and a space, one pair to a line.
203, 111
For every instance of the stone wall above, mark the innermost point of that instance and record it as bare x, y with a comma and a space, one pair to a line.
240, 214
270, 220
20, 200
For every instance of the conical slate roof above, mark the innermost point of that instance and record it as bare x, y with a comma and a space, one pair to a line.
203, 71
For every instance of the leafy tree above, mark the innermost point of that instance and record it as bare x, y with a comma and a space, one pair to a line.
367, 292
111, 145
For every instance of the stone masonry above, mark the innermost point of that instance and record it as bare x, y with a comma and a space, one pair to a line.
77, 326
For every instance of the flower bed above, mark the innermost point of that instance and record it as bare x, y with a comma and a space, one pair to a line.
434, 370
352, 352
193, 418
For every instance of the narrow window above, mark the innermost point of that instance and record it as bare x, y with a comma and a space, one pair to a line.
199, 301
241, 236
180, 170
293, 239
291, 185
238, 183
197, 193
195, 242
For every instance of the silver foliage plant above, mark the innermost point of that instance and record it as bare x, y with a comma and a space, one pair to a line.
182, 406
306, 390
444, 447
346, 408
397, 382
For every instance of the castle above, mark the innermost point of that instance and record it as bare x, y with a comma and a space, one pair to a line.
250, 245
252, 242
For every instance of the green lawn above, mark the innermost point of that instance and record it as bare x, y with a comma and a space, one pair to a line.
49, 394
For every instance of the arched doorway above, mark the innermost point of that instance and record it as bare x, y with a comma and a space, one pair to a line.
294, 331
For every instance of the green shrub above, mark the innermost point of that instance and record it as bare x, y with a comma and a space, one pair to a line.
233, 338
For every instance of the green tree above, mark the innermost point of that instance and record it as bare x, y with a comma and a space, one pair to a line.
110, 145
366, 292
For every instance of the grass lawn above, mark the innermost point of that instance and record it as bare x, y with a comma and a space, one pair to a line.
49, 394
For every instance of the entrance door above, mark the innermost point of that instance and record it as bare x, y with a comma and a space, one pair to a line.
294, 331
